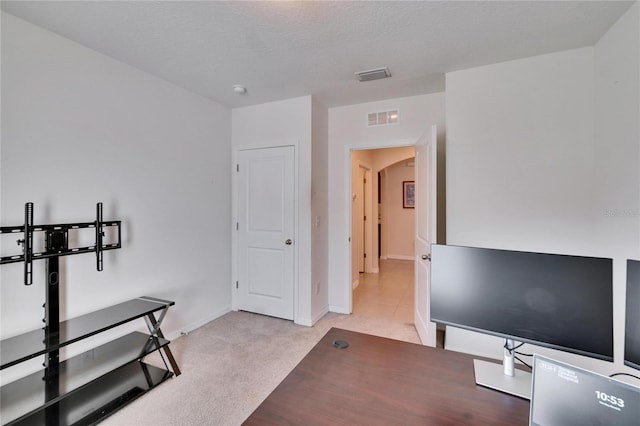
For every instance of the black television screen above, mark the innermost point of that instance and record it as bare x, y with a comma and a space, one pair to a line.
632, 321
557, 301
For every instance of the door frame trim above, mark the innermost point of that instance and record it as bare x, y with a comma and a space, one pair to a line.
234, 219
348, 149
367, 189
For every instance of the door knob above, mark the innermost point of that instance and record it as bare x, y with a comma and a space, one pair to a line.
288, 242
426, 257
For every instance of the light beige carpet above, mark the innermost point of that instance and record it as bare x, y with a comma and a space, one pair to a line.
230, 365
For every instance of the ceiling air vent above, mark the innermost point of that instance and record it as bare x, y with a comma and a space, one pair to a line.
373, 74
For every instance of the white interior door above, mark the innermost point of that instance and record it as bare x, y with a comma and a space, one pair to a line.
425, 212
266, 231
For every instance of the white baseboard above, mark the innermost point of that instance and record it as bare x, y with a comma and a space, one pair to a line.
324, 311
310, 322
303, 321
197, 324
339, 309
400, 257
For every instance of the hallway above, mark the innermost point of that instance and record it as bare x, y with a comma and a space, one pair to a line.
388, 294
386, 299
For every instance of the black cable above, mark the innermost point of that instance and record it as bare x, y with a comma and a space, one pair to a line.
512, 351
624, 374
527, 365
513, 348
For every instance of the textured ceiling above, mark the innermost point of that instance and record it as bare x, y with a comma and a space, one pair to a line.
280, 50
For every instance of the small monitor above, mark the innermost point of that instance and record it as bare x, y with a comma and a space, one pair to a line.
632, 321
562, 394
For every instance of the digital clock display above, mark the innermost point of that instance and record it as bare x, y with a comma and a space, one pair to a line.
610, 399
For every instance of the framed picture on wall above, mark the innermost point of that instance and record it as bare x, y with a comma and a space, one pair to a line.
408, 194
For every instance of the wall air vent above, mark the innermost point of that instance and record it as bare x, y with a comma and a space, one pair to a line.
373, 74
382, 118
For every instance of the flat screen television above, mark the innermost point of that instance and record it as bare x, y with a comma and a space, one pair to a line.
632, 316
557, 301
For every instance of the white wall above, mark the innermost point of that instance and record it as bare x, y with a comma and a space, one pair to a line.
520, 154
617, 150
537, 150
287, 122
347, 131
79, 127
398, 223
319, 211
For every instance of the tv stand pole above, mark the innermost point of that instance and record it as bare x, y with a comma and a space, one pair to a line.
88, 387
52, 333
